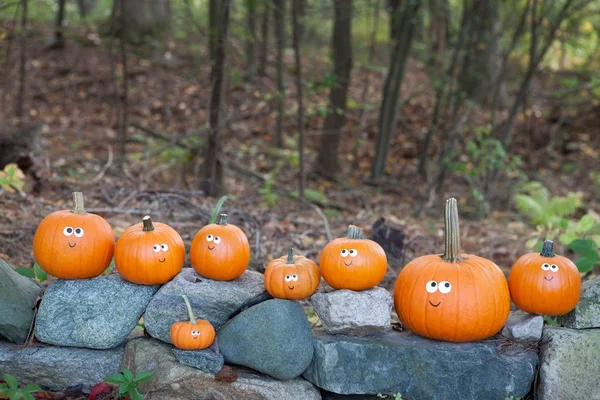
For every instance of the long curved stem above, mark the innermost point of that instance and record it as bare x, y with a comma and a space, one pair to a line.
452, 248
78, 207
189, 309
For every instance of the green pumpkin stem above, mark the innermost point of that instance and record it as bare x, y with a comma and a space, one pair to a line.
452, 248
547, 250
78, 207
290, 259
354, 232
147, 224
189, 309
222, 220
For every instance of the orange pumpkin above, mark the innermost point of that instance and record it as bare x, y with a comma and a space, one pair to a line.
74, 244
546, 283
454, 297
353, 263
220, 251
292, 277
149, 253
192, 335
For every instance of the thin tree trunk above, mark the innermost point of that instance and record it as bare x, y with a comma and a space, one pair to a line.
213, 21
115, 13
23, 62
394, 8
438, 30
279, 12
264, 44
59, 42
296, 35
251, 40
328, 163
124, 121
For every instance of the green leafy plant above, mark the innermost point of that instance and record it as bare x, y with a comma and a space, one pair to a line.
217, 210
12, 178
11, 388
34, 273
128, 384
266, 191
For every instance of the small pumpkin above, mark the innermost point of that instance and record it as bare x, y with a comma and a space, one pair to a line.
354, 262
292, 277
73, 244
149, 253
192, 335
453, 297
545, 283
220, 251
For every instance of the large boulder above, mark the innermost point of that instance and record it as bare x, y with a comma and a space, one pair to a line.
587, 312
354, 313
421, 368
174, 381
569, 364
523, 327
215, 301
96, 313
58, 368
273, 337
18, 295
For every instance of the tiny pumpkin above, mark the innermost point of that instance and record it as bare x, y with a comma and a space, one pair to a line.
149, 253
73, 244
292, 277
354, 262
192, 335
453, 297
220, 251
545, 283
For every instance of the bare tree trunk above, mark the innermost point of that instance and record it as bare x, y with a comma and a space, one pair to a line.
23, 62
264, 44
124, 120
328, 164
392, 86
438, 30
251, 40
394, 8
213, 20
295, 7
279, 13
212, 183
59, 42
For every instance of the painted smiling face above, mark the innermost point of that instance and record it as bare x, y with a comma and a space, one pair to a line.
193, 335
220, 251
353, 263
149, 253
73, 244
292, 277
546, 283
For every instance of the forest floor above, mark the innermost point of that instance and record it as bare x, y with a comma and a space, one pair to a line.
70, 92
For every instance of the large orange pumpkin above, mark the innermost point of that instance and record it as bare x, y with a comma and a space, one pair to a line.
220, 251
192, 335
292, 277
149, 253
74, 244
354, 262
546, 283
454, 297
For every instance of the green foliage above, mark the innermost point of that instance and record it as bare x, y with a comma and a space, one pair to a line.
128, 383
217, 210
34, 273
550, 321
12, 178
552, 217
266, 191
394, 396
513, 398
11, 389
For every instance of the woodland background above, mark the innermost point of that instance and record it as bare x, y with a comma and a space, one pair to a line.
309, 115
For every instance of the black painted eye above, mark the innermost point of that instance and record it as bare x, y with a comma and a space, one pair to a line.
554, 268
78, 232
431, 287
545, 267
68, 231
445, 287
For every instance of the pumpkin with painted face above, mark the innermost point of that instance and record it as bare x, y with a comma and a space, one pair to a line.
354, 262
149, 253
292, 277
74, 244
220, 251
192, 335
453, 297
545, 283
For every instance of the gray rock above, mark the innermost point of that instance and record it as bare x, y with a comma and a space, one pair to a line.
523, 327
569, 364
354, 313
273, 337
215, 301
96, 313
420, 368
58, 368
174, 381
205, 360
587, 312
17, 299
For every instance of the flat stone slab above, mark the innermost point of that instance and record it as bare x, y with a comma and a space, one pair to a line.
420, 368
96, 313
215, 301
205, 360
587, 312
174, 381
569, 364
58, 368
523, 327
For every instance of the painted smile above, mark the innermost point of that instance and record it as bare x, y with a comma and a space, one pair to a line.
163, 260
291, 288
435, 305
347, 265
548, 279
211, 248
75, 244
